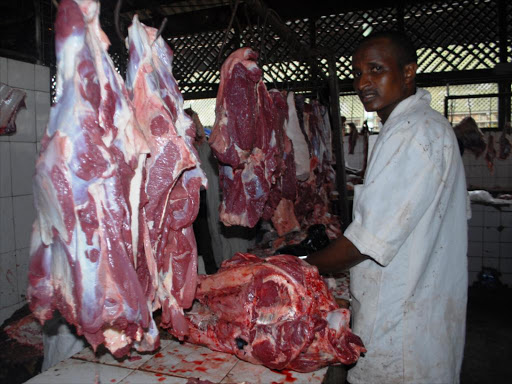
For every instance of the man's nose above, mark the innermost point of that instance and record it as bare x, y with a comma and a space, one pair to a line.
364, 81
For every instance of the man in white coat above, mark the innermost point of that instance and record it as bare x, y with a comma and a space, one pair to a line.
407, 243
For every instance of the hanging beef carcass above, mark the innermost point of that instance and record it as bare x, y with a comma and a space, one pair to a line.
469, 136
87, 187
172, 179
504, 143
244, 140
11, 100
276, 312
490, 155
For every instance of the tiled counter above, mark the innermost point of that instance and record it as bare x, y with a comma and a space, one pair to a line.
174, 363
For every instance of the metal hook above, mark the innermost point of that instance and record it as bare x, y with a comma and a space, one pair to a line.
55, 3
227, 31
117, 10
160, 30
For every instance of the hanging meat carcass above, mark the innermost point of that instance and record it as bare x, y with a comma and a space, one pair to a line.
172, 180
469, 136
490, 155
244, 140
276, 312
504, 143
87, 187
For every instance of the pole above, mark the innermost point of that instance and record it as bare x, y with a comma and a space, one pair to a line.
341, 182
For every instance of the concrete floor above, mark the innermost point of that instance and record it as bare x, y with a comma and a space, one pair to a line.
488, 350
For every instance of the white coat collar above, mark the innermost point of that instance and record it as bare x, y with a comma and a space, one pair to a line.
422, 96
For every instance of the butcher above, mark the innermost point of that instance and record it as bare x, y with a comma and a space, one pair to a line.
406, 246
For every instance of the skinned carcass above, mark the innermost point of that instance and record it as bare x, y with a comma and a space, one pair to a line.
276, 312
172, 179
87, 187
244, 139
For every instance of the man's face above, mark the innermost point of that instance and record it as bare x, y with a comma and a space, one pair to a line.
379, 81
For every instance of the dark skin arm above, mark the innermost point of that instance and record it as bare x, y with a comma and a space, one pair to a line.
337, 256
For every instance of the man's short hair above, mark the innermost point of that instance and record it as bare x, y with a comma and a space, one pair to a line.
403, 45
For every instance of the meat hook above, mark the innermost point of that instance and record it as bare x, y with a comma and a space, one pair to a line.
55, 3
160, 30
117, 10
227, 31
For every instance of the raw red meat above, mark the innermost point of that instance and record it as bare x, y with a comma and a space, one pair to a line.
491, 153
276, 312
11, 100
469, 136
86, 189
504, 143
244, 139
173, 177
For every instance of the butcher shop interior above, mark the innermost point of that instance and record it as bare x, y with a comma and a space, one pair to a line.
175, 174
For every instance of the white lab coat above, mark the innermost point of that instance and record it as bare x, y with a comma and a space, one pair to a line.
409, 302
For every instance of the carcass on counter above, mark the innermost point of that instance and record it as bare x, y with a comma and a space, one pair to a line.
276, 312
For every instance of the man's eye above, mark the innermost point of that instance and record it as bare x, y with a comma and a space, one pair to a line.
377, 68
356, 74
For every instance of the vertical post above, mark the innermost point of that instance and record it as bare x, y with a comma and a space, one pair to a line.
38, 39
503, 85
341, 182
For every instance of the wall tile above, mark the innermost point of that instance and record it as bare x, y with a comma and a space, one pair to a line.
475, 234
477, 218
506, 235
506, 218
22, 262
475, 248
492, 219
26, 120
7, 242
5, 170
42, 112
491, 234
475, 264
506, 250
6, 312
23, 160
506, 265
491, 249
8, 284
42, 78
3, 70
491, 262
20, 74
24, 214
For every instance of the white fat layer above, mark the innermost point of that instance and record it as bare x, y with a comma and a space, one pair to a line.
300, 146
115, 340
135, 186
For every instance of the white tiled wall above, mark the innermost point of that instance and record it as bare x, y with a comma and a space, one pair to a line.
17, 159
490, 241
356, 159
479, 176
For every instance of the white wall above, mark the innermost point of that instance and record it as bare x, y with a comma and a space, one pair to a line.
17, 159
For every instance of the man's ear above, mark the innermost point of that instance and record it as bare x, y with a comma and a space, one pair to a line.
410, 72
